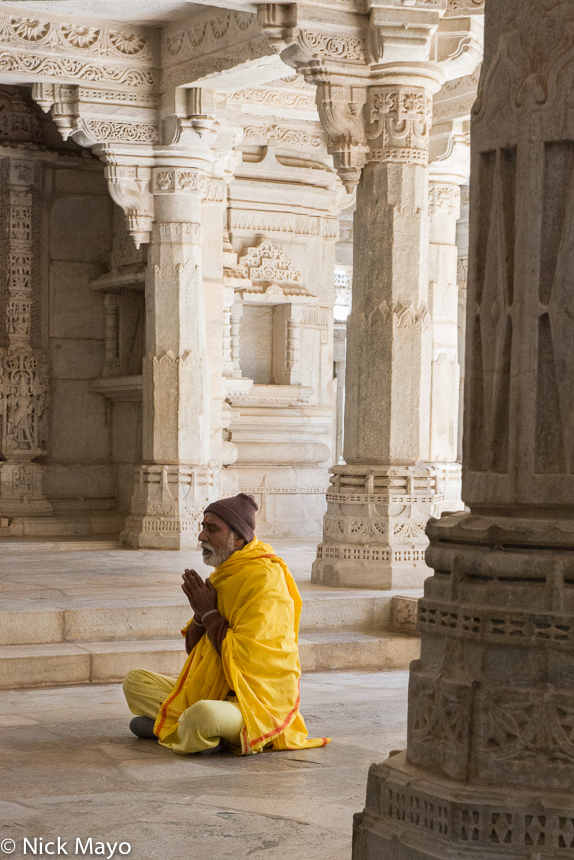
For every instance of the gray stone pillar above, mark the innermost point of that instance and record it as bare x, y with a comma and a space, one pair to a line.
489, 767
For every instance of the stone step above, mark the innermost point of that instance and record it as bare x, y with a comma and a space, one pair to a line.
108, 523
115, 619
65, 663
71, 544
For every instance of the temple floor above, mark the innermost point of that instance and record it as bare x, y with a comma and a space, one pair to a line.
71, 768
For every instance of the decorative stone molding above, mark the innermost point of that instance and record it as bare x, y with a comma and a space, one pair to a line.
460, 45
279, 99
402, 316
456, 98
222, 39
268, 270
169, 180
36, 49
129, 186
238, 392
401, 117
444, 197
375, 524
257, 221
167, 506
404, 615
342, 64
465, 7
282, 136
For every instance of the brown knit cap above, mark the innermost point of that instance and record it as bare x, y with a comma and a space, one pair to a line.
238, 512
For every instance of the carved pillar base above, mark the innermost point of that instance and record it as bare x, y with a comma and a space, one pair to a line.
374, 528
490, 764
412, 816
167, 507
21, 490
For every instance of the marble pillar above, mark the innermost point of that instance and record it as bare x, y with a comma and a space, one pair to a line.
461, 279
174, 483
444, 208
489, 767
24, 379
380, 500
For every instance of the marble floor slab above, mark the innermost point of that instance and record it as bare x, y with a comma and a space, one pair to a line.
70, 768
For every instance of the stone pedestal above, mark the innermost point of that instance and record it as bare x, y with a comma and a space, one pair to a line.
489, 767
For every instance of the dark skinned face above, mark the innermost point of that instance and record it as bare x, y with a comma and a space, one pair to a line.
217, 540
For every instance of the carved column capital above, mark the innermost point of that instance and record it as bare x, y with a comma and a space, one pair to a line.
373, 77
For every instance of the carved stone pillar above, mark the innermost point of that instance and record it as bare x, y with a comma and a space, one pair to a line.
444, 207
23, 370
173, 485
380, 501
461, 279
489, 767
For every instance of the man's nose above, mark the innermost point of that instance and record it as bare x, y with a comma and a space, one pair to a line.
203, 535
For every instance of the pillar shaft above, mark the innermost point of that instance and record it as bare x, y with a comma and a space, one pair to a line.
489, 766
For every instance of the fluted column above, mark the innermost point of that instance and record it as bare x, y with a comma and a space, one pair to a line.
489, 766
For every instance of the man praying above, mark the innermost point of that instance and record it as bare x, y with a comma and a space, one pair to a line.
239, 687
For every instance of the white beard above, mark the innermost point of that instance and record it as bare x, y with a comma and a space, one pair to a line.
213, 557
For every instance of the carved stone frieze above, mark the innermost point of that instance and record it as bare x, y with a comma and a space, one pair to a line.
39, 49
257, 221
403, 315
404, 615
170, 180
274, 98
267, 268
444, 197
219, 40
400, 119
282, 136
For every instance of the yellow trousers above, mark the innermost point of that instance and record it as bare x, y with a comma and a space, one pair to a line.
201, 727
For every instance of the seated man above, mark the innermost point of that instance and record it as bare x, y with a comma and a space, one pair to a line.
239, 686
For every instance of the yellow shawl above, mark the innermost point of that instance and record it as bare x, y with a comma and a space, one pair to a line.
258, 596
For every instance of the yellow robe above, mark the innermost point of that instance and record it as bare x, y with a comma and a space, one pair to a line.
257, 595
